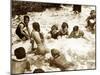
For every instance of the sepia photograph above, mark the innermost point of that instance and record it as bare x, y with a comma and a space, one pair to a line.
52, 37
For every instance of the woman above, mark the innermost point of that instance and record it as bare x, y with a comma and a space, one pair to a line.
39, 39
64, 29
54, 32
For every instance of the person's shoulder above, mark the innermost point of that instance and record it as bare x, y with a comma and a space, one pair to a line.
21, 23
35, 33
89, 17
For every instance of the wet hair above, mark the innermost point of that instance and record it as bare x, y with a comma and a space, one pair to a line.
36, 26
20, 53
55, 52
54, 26
64, 25
38, 71
26, 17
75, 28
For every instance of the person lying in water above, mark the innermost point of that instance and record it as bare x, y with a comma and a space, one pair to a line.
58, 60
64, 29
20, 63
91, 20
37, 36
54, 32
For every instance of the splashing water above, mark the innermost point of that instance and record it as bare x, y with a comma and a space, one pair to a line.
79, 51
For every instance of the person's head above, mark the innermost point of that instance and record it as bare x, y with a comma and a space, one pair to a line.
55, 53
92, 12
20, 53
64, 25
26, 19
54, 27
38, 71
75, 28
36, 26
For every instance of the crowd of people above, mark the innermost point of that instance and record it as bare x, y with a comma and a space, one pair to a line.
20, 64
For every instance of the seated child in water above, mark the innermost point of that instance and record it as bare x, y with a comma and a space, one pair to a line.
37, 36
58, 60
91, 20
54, 32
64, 29
76, 33
20, 63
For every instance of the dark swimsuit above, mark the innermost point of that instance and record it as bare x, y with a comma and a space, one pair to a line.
18, 32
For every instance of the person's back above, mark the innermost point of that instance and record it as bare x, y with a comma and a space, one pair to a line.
19, 66
19, 63
38, 38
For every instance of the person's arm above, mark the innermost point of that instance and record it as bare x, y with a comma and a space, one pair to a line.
71, 35
82, 33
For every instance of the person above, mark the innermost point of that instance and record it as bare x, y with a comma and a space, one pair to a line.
77, 9
64, 29
20, 63
22, 30
91, 20
38, 37
76, 33
54, 32
58, 60
38, 70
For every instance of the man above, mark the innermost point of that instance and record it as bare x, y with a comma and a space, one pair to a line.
22, 29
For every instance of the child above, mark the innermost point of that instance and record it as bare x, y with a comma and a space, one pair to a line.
54, 32
20, 63
76, 33
22, 30
91, 20
64, 29
39, 39
58, 60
